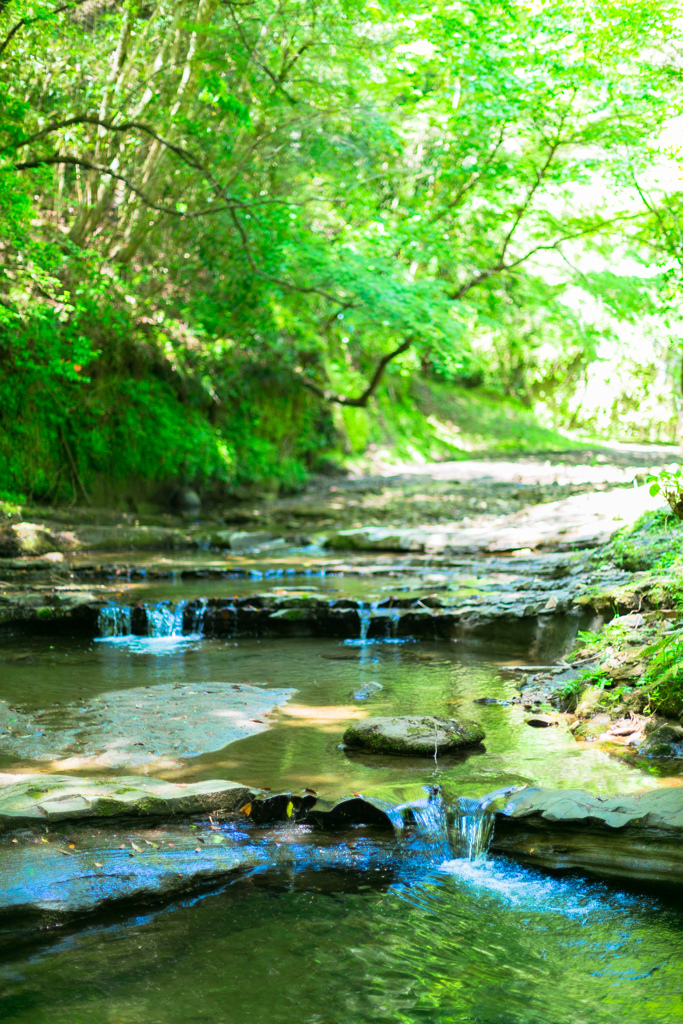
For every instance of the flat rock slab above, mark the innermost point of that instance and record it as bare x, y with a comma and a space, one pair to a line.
652, 809
638, 836
139, 726
585, 520
60, 878
27, 799
413, 735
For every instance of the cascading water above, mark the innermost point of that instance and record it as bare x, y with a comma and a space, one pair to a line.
162, 620
393, 615
114, 620
430, 819
441, 832
472, 829
364, 615
367, 611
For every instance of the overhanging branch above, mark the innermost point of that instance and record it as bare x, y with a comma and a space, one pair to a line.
361, 400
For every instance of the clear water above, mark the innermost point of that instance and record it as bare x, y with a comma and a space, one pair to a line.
303, 747
439, 942
486, 942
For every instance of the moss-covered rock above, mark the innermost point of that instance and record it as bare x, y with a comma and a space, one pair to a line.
414, 735
64, 798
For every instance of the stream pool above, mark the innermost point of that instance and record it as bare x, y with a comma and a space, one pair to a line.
456, 942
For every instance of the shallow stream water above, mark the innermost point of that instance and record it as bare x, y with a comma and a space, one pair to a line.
438, 941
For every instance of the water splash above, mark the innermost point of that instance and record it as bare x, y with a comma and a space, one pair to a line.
160, 620
442, 831
430, 824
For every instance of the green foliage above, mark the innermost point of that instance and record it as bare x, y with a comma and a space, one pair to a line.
569, 695
595, 677
669, 483
663, 681
654, 541
221, 212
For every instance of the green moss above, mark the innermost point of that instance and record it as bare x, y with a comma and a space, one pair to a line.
151, 805
107, 807
654, 540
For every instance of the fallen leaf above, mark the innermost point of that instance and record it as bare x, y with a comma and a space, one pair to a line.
98, 865
313, 791
43, 840
246, 809
155, 845
290, 808
72, 846
135, 846
65, 852
198, 849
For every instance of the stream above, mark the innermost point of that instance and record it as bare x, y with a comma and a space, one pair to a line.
353, 927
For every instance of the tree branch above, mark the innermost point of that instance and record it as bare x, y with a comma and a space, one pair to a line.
361, 400
39, 17
501, 268
103, 169
180, 151
255, 269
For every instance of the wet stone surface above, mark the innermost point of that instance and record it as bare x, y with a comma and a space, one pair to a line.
35, 799
423, 735
153, 726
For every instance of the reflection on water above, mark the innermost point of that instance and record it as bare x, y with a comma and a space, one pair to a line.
361, 938
303, 747
472, 942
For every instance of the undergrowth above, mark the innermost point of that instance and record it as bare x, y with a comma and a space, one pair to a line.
663, 681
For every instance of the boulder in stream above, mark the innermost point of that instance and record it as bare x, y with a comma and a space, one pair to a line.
414, 735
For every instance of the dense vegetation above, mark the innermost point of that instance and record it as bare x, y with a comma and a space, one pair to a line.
239, 235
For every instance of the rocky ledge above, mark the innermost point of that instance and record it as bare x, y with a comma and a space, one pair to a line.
47, 799
70, 846
638, 837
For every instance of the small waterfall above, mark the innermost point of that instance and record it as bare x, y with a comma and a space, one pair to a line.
178, 615
442, 832
197, 612
114, 620
394, 616
472, 828
431, 826
364, 614
473, 823
160, 620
